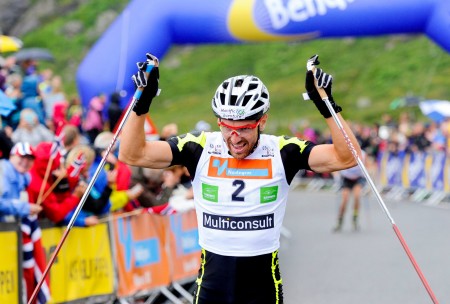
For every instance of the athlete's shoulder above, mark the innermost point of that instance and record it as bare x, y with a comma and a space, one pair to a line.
196, 138
288, 141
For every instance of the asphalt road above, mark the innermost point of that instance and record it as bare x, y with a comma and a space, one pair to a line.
370, 266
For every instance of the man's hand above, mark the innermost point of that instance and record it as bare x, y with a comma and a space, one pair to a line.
111, 176
324, 81
148, 84
135, 192
80, 189
170, 178
35, 209
91, 221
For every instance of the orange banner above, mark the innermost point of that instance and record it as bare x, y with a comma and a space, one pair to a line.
183, 246
142, 262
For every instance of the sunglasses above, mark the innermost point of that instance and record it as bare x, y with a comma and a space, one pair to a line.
244, 130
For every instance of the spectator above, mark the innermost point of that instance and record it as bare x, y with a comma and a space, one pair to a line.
98, 201
27, 67
3, 74
181, 198
168, 131
6, 144
114, 111
30, 130
60, 200
75, 113
404, 123
71, 138
15, 180
14, 91
418, 139
45, 86
445, 128
159, 185
151, 179
434, 133
85, 217
14, 201
94, 122
201, 126
31, 96
54, 95
14, 86
59, 119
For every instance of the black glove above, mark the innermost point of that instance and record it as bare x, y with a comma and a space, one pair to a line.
324, 81
149, 84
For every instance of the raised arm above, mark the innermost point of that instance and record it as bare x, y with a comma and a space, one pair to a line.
335, 156
134, 149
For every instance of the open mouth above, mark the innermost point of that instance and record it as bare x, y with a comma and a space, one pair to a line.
238, 148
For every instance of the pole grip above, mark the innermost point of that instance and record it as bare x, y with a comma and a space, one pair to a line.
320, 90
138, 92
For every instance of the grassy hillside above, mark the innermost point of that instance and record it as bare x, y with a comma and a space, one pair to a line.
369, 73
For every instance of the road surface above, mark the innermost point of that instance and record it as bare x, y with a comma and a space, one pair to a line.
370, 266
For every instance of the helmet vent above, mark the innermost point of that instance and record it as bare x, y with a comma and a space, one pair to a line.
259, 104
233, 99
252, 86
225, 85
238, 83
246, 100
222, 98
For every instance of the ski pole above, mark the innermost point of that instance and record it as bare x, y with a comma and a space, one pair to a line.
324, 97
136, 97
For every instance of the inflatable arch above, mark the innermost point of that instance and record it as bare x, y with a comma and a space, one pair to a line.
154, 25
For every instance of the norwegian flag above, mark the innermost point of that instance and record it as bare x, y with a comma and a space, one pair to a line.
77, 165
164, 209
34, 261
56, 145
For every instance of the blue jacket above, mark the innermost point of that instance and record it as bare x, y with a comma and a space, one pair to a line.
12, 183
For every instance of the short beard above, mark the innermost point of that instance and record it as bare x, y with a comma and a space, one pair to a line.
241, 155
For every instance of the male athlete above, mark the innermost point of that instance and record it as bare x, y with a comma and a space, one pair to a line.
240, 178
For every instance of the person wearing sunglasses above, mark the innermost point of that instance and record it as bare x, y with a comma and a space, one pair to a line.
240, 178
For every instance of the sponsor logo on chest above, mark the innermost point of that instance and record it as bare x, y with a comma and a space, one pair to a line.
242, 169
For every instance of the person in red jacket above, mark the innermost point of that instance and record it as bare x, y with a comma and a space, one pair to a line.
61, 200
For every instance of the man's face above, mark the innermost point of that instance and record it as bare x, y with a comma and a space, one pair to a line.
22, 164
241, 136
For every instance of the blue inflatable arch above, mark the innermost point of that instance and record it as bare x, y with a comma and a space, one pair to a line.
155, 25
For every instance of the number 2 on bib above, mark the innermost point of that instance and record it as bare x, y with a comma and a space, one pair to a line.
240, 186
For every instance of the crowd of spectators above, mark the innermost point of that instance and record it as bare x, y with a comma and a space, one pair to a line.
397, 136
46, 117
50, 149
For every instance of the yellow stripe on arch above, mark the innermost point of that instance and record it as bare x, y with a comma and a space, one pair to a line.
242, 25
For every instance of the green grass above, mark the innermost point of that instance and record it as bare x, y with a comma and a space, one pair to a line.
375, 69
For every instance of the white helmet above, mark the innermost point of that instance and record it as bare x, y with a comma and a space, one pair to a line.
243, 97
